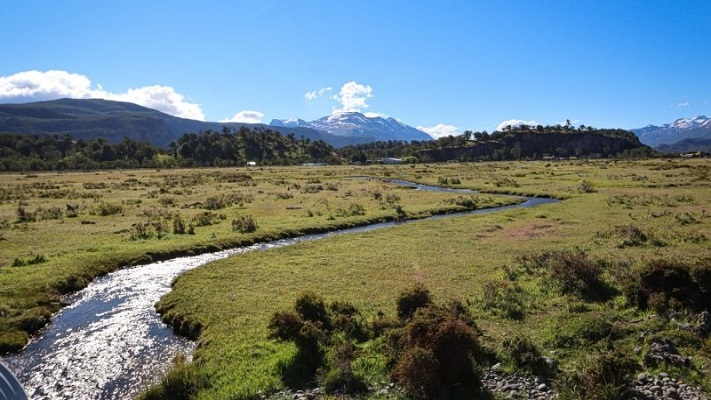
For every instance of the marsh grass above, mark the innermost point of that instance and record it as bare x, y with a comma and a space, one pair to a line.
457, 259
117, 218
232, 300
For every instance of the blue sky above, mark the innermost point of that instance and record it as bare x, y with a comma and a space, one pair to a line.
445, 66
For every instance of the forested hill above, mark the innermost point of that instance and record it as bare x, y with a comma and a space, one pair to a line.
512, 143
89, 119
230, 147
235, 147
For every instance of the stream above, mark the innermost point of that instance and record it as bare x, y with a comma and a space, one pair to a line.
110, 343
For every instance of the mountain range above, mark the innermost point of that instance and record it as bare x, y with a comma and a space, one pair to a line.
113, 120
684, 134
357, 125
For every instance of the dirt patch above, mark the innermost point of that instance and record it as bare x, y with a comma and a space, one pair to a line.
528, 232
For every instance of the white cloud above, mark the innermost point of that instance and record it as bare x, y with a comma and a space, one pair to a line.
515, 122
353, 96
375, 115
683, 104
440, 130
247, 117
29, 86
317, 93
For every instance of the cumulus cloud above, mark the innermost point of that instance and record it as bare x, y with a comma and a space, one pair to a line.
683, 104
440, 130
515, 122
317, 93
29, 86
353, 97
247, 117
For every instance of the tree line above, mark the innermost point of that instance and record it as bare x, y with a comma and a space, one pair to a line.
230, 147
237, 147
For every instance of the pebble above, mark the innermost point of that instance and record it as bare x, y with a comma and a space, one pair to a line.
513, 386
664, 387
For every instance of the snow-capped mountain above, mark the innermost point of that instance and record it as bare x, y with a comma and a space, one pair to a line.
355, 124
682, 128
289, 123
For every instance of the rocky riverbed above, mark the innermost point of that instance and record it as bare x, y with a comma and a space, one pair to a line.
512, 386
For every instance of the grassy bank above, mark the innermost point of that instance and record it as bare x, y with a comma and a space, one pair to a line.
60, 230
619, 215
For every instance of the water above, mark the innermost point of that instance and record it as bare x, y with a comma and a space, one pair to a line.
110, 342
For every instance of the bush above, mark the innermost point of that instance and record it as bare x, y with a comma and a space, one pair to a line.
244, 224
409, 301
435, 353
178, 225
572, 272
664, 284
106, 209
340, 378
525, 357
206, 218
586, 187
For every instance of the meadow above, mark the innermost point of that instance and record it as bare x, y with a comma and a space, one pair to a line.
58, 231
509, 269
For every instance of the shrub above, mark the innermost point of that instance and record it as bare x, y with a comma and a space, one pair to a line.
37, 259
663, 284
435, 353
160, 227
24, 216
523, 355
571, 271
214, 203
586, 187
178, 225
205, 218
409, 301
416, 370
607, 375
311, 307
340, 378
244, 224
106, 209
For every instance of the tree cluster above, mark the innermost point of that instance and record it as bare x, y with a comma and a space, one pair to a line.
231, 147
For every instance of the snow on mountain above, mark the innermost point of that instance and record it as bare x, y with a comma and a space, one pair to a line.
355, 124
682, 128
289, 123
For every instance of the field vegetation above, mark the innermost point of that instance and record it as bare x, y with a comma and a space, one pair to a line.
578, 291
573, 291
60, 230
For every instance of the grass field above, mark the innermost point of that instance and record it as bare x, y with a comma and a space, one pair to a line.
621, 214
60, 230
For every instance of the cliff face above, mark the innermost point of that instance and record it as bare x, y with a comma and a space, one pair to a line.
517, 145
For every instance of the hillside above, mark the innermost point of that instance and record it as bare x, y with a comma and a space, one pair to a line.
512, 144
112, 120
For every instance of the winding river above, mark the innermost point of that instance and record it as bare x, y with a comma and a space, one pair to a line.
110, 343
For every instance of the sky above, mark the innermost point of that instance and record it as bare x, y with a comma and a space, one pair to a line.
442, 66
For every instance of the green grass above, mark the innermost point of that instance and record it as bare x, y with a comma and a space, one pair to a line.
627, 212
455, 258
60, 230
